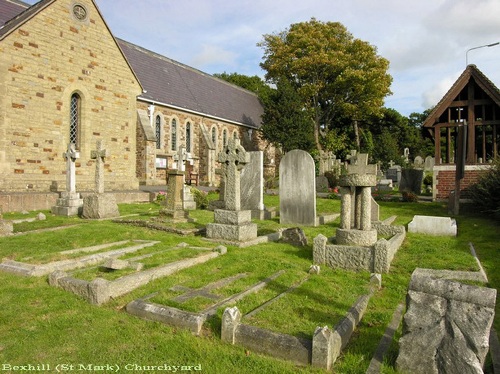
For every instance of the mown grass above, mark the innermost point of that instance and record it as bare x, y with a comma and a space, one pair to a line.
41, 324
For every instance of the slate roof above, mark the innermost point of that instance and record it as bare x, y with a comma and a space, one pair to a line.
174, 84
164, 80
470, 72
16, 13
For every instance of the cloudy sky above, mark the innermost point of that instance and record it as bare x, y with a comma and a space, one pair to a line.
424, 40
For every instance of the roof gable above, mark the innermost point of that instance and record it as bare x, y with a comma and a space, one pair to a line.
470, 75
171, 83
9, 9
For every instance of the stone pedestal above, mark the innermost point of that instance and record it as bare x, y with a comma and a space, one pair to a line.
364, 238
100, 205
173, 207
68, 204
232, 225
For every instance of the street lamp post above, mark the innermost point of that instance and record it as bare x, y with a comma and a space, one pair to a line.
481, 46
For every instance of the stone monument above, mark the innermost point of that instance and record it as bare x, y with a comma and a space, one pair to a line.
355, 190
69, 203
446, 327
297, 189
98, 204
181, 157
232, 223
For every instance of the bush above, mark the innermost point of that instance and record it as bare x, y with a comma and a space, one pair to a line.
485, 194
162, 196
428, 180
409, 197
200, 197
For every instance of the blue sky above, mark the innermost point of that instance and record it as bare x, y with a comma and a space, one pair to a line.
424, 40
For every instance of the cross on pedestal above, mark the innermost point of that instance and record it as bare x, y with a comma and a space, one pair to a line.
70, 156
233, 158
181, 157
99, 155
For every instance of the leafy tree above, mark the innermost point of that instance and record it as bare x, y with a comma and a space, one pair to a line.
334, 74
255, 84
285, 123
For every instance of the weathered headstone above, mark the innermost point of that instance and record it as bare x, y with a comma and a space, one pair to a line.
326, 161
411, 180
433, 225
446, 327
69, 203
232, 223
394, 173
252, 183
98, 204
322, 183
418, 162
429, 163
181, 158
385, 185
297, 189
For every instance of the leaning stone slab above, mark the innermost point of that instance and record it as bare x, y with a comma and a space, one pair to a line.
432, 225
446, 327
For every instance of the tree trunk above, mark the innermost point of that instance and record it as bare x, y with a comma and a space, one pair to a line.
356, 135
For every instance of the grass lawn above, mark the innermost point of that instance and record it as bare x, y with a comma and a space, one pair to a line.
45, 325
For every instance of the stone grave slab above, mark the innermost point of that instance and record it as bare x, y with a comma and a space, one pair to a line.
433, 225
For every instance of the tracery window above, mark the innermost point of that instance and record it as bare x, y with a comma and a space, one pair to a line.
158, 131
188, 137
74, 120
173, 135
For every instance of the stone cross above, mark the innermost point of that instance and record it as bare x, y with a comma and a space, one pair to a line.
391, 163
99, 155
352, 157
233, 158
182, 156
71, 155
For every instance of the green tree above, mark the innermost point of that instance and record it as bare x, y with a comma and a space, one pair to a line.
285, 123
334, 74
254, 83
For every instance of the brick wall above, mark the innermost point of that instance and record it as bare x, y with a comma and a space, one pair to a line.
444, 180
42, 64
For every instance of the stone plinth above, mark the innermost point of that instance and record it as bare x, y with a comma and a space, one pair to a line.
174, 204
68, 204
100, 205
363, 238
358, 180
232, 226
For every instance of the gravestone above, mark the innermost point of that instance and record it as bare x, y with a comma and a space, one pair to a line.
322, 184
394, 173
446, 327
432, 225
98, 204
429, 163
173, 206
418, 162
326, 161
232, 223
181, 158
252, 183
385, 185
356, 209
411, 180
297, 189
406, 155
69, 203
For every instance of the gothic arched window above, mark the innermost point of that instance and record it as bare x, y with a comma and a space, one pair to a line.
75, 119
173, 135
158, 131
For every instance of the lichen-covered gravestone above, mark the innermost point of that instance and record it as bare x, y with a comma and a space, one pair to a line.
6, 227
297, 189
99, 205
446, 327
232, 223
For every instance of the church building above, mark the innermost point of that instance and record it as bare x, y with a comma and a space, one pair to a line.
65, 78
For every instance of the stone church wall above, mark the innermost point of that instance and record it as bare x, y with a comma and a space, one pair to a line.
42, 63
